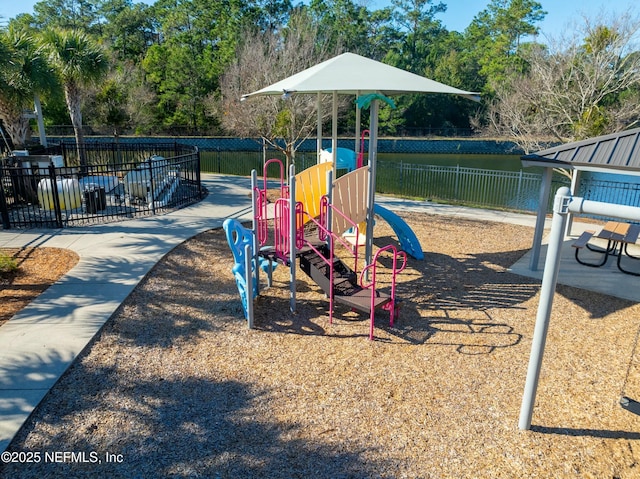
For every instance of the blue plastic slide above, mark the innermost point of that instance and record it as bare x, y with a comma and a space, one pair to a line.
408, 241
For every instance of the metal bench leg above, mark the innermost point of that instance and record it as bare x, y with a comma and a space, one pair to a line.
605, 257
626, 270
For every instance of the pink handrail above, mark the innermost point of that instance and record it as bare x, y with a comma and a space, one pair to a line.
324, 228
284, 189
282, 228
324, 233
261, 216
391, 306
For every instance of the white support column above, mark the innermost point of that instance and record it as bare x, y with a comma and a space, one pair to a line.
292, 238
575, 184
373, 151
549, 280
40, 120
254, 226
563, 205
543, 203
319, 127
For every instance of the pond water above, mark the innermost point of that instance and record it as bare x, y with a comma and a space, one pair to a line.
605, 187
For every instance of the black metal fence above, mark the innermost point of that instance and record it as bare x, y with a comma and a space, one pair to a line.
99, 183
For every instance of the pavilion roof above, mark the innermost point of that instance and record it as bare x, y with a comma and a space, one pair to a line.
616, 152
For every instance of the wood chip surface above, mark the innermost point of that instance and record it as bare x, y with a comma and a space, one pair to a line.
38, 268
176, 385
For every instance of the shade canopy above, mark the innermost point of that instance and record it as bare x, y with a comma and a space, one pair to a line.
354, 74
351, 74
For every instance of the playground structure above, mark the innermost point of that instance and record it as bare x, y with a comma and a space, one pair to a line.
370, 82
309, 220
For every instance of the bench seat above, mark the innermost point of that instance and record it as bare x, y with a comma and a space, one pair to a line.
583, 239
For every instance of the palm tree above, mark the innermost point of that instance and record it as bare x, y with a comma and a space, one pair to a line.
79, 62
24, 73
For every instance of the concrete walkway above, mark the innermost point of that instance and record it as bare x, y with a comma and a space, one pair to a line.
39, 344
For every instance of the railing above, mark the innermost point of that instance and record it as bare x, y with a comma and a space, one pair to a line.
608, 191
371, 269
487, 188
443, 131
116, 183
102, 154
515, 190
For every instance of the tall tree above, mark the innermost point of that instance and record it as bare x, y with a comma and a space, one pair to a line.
198, 40
78, 62
574, 90
264, 58
418, 31
66, 14
270, 14
424, 47
128, 28
496, 34
343, 25
24, 73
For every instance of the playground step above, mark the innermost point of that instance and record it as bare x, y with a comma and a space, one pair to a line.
361, 300
318, 270
345, 286
269, 252
318, 245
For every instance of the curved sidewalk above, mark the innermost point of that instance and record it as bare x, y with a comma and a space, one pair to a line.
39, 343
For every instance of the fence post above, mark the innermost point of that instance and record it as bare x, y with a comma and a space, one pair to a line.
519, 193
56, 197
4, 208
457, 188
198, 174
151, 190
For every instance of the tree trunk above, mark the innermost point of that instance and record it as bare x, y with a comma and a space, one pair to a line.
15, 124
73, 99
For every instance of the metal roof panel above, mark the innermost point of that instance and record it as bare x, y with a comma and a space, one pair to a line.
619, 151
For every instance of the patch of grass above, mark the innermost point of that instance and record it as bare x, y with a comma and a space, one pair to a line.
8, 264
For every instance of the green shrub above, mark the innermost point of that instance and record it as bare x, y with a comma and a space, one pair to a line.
7, 263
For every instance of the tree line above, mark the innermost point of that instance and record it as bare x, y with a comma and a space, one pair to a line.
179, 66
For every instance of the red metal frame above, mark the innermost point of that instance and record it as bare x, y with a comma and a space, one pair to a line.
261, 199
282, 231
372, 268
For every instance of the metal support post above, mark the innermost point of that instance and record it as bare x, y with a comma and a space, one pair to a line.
543, 202
292, 238
254, 227
549, 280
373, 128
249, 285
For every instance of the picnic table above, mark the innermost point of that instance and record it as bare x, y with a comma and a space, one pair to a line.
618, 235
